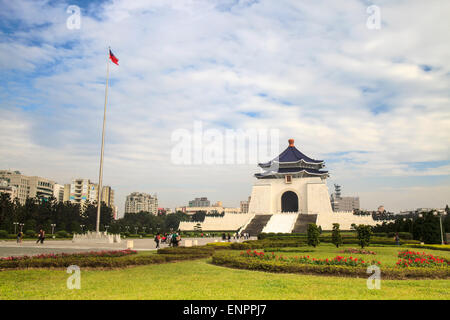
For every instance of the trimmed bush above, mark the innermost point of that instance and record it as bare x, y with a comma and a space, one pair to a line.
336, 237
364, 234
313, 235
30, 233
62, 234
98, 262
3, 234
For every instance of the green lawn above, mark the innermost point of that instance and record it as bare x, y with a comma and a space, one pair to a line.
201, 280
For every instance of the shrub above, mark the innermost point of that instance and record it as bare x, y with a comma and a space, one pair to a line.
364, 232
200, 250
313, 235
97, 261
30, 233
3, 234
336, 235
62, 234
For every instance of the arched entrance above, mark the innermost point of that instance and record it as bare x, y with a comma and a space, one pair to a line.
289, 202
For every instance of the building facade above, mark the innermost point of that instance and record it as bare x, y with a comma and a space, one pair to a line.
339, 203
28, 186
244, 205
81, 191
137, 202
200, 202
58, 192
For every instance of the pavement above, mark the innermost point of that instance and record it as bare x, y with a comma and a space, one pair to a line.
30, 247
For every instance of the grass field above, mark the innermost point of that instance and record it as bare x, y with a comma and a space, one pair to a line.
200, 280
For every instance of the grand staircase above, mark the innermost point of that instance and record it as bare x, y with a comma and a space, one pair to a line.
257, 224
301, 225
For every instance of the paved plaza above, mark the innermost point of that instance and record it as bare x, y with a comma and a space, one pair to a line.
30, 247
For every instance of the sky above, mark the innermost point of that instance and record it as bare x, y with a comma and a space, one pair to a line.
373, 103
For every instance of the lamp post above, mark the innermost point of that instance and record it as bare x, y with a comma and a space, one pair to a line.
82, 226
53, 227
435, 213
106, 227
143, 228
135, 230
21, 226
15, 227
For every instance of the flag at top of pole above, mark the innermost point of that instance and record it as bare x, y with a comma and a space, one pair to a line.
113, 57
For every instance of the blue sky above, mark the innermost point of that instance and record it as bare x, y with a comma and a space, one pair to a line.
374, 104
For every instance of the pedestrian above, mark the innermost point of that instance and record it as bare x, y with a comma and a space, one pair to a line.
397, 239
157, 240
19, 237
223, 236
39, 236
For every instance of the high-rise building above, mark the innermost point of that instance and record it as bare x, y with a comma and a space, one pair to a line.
200, 202
244, 205
339, 203
83, 190
28, 186
58, 192
5, 187
137, 202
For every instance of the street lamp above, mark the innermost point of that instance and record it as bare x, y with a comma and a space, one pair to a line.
435, 213
15, 227
143, 228
106, 227
135, 230
21, 226
82, 226
53, 227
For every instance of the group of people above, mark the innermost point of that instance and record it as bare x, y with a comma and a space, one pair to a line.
236, 236
172, 239
41, 237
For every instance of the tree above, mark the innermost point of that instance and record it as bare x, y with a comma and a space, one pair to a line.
313, 235
336, 237
364, 232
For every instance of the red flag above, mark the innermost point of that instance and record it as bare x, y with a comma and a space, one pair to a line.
113, 57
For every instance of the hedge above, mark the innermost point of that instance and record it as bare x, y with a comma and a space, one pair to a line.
282, 236
165, 255
228, 259
271, 243
201, 250
431, 246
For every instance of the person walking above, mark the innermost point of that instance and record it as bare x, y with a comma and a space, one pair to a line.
397, 239
39, 236
228, 237
157, 240
19, 237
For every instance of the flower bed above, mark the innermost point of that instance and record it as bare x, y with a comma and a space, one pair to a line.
113, 253
357, 251
417, 259
338, 260
115, 260
233, 260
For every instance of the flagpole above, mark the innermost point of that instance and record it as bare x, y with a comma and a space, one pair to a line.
99, 198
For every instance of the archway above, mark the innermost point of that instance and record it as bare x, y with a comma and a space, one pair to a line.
289, 202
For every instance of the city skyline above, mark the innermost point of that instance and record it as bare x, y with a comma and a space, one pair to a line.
375, 109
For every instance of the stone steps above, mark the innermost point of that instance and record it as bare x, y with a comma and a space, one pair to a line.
301, 225
257, 224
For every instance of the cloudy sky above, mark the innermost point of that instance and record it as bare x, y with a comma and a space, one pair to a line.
373, 103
